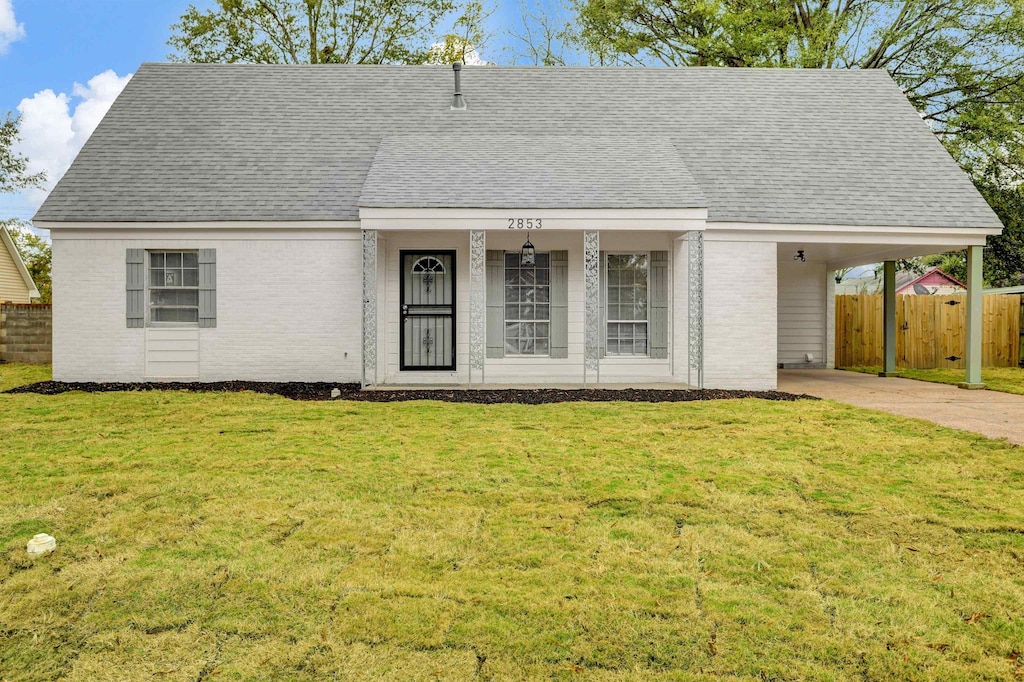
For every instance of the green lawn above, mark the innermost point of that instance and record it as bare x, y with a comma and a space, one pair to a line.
1005, 379
240, 536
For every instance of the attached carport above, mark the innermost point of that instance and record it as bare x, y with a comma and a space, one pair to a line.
808, 257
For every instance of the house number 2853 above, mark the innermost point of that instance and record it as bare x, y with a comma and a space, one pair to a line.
524, 223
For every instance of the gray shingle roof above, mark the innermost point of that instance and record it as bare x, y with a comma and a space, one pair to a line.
542, 171
243, 142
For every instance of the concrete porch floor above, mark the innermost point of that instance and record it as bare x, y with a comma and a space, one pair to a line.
990, 413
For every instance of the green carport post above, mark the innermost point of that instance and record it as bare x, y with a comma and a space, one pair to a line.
974, 318
889, 319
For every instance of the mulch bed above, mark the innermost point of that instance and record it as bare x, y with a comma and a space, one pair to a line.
299, 390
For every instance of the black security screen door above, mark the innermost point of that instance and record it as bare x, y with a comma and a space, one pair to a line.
428, 310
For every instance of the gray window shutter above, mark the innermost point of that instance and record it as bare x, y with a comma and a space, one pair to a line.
207, 287
657, 322
559, 304
495, 304
603, 284
135, 288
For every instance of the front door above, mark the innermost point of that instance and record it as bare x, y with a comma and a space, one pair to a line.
428, 310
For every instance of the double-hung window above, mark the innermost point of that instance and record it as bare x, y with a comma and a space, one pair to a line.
627, 303
527, 305
173, 287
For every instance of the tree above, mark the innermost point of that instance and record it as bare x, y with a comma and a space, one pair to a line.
961, 62
1003, 264
309, 31
467, 38
14, 175
36, 253
543, 35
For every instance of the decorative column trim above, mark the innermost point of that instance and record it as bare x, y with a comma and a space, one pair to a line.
477, 302
369, 307
592, 305
695, 306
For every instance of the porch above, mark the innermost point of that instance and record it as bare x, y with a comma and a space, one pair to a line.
483, 317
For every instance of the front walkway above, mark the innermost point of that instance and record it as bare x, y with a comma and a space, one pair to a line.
990, 413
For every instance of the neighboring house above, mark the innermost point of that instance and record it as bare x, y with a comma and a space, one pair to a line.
931, 281
347, 223
16, 285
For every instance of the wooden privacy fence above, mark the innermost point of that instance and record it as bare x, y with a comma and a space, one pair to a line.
931, 331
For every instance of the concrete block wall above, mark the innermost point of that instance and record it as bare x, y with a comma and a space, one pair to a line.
26, 333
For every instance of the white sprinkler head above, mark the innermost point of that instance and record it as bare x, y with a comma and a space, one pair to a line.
41, 544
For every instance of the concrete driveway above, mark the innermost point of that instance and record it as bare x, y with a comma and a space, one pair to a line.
990, 413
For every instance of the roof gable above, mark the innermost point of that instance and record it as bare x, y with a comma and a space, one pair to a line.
187, 142
19, 264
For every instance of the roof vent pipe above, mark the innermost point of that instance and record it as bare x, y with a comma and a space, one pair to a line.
458, 103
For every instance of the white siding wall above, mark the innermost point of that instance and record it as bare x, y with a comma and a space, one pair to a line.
518, 370
740, 284
802, 323
288, 306
12, 286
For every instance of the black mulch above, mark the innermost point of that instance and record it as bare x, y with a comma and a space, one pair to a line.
298, 390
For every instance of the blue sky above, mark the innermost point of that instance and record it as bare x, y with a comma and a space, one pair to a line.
64, 61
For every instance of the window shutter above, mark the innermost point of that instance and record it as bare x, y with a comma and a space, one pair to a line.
657, 334
603, 285
135, 288
559, 304
495, 304
207, 288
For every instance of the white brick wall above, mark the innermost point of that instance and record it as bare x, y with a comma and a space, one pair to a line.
740, 314
288, 307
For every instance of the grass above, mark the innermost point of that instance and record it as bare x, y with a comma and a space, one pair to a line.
238, 536
1004, 379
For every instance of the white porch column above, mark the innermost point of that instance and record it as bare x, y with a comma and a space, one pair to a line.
975, 303
592, 306
369, 307
695, 307
889, 319
477, 303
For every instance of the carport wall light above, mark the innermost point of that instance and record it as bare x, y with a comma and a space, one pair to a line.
528, 255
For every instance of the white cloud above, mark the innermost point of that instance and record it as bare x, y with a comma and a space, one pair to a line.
10, 30
54, 126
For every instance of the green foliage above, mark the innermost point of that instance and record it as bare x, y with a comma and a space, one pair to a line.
309, 31
35, 251
14, 167
467, 38
1004, 257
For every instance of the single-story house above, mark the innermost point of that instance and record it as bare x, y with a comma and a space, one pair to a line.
391, 225
933, 281
16, 285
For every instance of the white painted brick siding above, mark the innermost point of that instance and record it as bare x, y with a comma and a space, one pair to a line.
287, 308
740, 315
